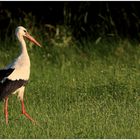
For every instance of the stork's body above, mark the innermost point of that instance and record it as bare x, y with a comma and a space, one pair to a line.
17, 73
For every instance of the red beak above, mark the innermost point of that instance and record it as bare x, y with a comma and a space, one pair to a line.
29, 37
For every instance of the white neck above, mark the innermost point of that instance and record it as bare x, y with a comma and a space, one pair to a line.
23, 45
22, 63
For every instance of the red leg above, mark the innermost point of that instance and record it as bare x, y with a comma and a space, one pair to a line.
6, 109
25, 113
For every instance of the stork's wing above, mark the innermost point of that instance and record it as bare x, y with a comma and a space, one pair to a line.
5, 73
9, 86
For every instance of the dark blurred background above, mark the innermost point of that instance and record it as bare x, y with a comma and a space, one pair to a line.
85, 19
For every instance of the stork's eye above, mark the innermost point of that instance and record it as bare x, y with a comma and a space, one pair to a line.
24, 31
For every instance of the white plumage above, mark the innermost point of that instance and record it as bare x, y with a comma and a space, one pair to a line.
22, 63
17, 73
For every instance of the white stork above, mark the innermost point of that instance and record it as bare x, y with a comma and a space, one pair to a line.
14, 77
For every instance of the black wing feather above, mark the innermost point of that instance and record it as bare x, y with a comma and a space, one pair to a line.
5, 73
9, 86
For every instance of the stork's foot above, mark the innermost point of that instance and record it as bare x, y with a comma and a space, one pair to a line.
28, 116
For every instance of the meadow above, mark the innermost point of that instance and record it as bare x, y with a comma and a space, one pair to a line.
85, 90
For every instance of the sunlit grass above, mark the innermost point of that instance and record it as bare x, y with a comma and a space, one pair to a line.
93, 93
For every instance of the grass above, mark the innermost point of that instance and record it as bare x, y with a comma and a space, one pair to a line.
91, 92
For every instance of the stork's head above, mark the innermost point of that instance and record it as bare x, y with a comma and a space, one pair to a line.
22, 32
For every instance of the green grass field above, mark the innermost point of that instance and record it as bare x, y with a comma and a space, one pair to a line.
92, 92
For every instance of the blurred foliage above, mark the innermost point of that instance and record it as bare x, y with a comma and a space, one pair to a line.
63, 22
